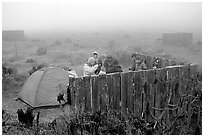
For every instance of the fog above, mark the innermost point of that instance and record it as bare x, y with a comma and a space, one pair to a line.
95, 16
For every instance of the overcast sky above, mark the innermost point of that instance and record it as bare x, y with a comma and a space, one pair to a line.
104, 15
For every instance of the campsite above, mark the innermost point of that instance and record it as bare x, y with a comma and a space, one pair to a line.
65, 54
87, 67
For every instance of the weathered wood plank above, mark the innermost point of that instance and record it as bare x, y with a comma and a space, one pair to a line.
151, 78
169, 94
146, 96
116, 90
172, 74
187, 88
176, 88
157, 94
130, 92
102, 92
81, 95
87, 93
124, 93
182, 89
138, 94
77, 98
163, 90
193, 70
110, 91
72, 90
95, 94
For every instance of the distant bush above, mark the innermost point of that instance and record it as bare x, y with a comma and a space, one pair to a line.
41, 51
57, 42
15, 58
68, 40
126, 36
36, 40
7, 70
30, 61
76, 45
13, 82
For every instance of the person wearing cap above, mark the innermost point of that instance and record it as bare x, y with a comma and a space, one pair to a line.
90, 67
97, 61
108, 63
135, 61
111, 65
156, 63
137, 64
142, 65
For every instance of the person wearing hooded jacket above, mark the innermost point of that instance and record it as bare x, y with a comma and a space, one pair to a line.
97, 61
90, 67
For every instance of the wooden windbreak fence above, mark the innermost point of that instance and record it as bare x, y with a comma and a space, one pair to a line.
152, 94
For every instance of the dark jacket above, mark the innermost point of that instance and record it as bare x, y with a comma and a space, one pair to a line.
114, 69
108, 62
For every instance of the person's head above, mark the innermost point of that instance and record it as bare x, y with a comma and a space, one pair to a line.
135, 56
115, 62
91, 61
95, 54
109, 57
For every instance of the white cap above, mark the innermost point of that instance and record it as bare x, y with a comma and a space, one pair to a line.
95, 52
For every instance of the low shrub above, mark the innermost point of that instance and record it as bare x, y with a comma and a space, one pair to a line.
41, 51
30, 61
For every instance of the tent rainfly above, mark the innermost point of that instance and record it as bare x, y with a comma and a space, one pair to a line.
43, 86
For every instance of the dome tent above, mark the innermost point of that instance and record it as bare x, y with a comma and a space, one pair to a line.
43, 86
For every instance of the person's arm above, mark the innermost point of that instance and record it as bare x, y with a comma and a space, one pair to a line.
145, 66
133, 66
100, 62
142, 66
105, 64
90, 70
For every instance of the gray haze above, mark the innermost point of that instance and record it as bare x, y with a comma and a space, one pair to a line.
103, 16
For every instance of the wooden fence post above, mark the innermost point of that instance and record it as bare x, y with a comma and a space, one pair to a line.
87, 93
102, 91
163, 92
81, 95
138, 94
72, 90
116, 91
95, 94
130, 92
151, 78
110, 91
78, 84
157, 94
124, 93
